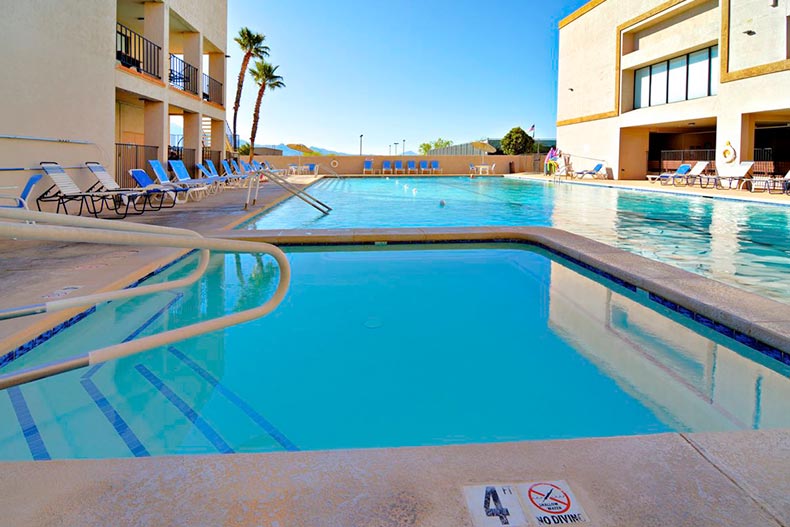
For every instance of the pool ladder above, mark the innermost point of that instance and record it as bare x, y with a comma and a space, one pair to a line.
255, 180
42, 226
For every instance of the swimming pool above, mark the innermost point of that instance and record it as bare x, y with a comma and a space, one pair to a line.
745, 245
389, 346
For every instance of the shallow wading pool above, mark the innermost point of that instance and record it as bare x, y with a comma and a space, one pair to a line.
392, 346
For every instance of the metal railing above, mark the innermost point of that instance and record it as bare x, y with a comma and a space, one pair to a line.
214, 155
135, 51
232, 139
17, 224
254, 180
187, 155
212, 89
129, 156
183, 75
672, 159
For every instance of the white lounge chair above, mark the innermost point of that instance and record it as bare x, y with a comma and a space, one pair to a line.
735, 177
696, 173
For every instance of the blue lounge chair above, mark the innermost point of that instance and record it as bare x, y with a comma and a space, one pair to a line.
271, 168
435, 167
424, 167
680, 174
197, 190
411, 165
399, 167
472, 169
182, 176
20, 202
174, 193
367, 166
594, 173
386, 166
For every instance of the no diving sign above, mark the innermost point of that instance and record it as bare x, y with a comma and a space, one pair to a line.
552, 503
547, 503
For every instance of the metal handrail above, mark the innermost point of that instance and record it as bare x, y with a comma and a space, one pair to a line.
330, 170
311, 200
88, 230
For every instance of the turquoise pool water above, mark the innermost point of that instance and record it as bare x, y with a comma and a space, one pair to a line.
745, 245
386, 347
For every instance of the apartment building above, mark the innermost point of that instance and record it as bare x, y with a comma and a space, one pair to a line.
102, 81
647, 84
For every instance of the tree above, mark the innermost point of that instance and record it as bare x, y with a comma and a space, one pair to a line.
265, 76
439, 143
252, 46
516, 142
244, 149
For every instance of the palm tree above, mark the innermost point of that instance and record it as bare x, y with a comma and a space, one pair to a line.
265, 76
252, 46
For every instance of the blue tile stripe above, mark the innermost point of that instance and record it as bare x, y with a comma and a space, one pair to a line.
121, 428
260, 420
34, 440
187, 410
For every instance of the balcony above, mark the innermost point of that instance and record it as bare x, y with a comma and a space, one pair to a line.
183, 75
135, 51
212, 90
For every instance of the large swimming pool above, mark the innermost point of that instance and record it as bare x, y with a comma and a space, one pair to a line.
742, 244
386, 347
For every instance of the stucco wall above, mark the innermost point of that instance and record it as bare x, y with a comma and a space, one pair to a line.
769, 41
58, 61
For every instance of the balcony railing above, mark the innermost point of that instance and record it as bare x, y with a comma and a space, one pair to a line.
232, 139
214, 155
135, 51
212, 89
187, 155
127, 157
183, 75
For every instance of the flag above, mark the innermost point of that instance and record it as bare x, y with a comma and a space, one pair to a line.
531, 129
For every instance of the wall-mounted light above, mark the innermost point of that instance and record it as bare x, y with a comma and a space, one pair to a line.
774, 3
570, 89
692, 124
749, 32
140, 18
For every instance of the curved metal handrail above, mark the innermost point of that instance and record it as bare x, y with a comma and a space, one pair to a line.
97, 231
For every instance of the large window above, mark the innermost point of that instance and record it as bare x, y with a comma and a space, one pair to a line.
678, 79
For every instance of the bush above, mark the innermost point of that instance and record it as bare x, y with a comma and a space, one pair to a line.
516, 142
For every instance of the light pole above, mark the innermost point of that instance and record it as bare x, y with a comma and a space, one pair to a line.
403, 150
390, 149
360, 144
396, 147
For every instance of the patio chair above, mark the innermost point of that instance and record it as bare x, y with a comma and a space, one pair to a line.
735, 178
436, 168
174, 193
367, 166
386, 166
669, 177
492, 168
399, 167
197, 191
472, 169
411, 166
695, 173
594, 173
140, 198
182, 176
20, 202
271, 168
64, 191
782, 184
566, 169
249, 170
424, 168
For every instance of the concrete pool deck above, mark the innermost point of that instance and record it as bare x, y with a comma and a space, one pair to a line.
733, 478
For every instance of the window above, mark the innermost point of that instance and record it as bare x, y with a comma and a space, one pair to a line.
642, 88
676, 87
658, 84
678, 79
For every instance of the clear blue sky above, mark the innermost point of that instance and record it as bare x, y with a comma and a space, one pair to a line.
414, 70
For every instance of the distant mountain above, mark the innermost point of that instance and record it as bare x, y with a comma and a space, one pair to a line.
290, 152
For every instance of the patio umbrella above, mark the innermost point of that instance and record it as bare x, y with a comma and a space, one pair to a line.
485, 147
302, 149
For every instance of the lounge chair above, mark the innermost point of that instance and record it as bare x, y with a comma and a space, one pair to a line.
411, 166
424, 168
271, 168
140, 198
594, 173
782, 184
399, 167
20, 202
197, 191
735, 177
669, 177
367, 166
435, 167
172, 192
472, 169
182, 176
695, 173
386, 166
492, 169
64, 191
